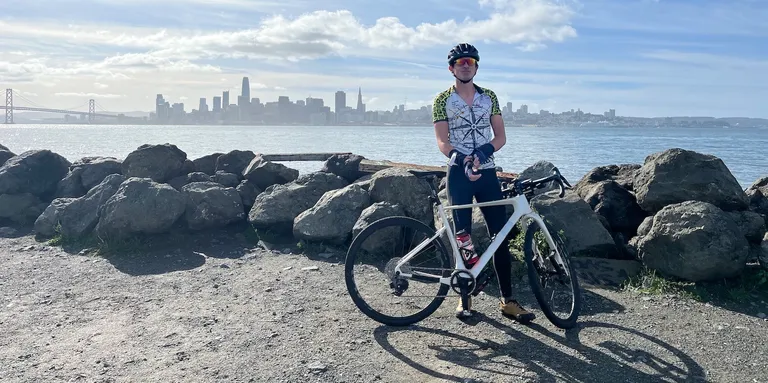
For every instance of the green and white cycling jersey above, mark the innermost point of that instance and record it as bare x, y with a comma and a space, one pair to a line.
469, 126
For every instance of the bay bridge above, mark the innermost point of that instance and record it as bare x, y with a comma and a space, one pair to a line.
94, 109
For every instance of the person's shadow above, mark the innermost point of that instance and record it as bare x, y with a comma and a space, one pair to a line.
616, 362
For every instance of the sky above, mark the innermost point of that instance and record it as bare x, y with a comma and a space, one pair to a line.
645, 58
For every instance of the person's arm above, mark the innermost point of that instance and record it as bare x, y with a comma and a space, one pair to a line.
497, 123
440, 119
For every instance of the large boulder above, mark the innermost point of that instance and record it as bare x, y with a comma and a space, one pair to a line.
623, 175
140, 206
186, 179
619, 207
584, 233
276, 208
159, 163
751, 224
211, 205
47, 224
5, 155
207, 164
693, 240
96, 169
264, 173
332, 218
37, 172
22, 208
346, 166
540, 169
382, 240
678, 175
76, 217
234, 161
758, 196
398, 186
762, 255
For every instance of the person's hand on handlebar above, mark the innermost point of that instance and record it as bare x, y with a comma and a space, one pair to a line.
470, 164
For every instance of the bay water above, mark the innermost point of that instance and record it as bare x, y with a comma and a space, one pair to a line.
575, 150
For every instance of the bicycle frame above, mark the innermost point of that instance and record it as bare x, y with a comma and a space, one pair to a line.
522, 210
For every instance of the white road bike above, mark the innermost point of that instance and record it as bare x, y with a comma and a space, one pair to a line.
395, 268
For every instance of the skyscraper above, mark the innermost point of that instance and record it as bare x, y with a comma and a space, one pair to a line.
360, 105
246, 89
225, 101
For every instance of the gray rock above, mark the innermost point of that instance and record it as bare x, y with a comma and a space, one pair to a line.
346, 166
47, 224
333, 216
758, 196
381, 240
695, 241
248, 193
188, 178
159, 163
140, 205
279, 205
398, 186
211, 205
584, 234
751, 224
71, 186
678, 175
95, 169
226, 179
207, 164
264, 174
762, 257
234, 162
623, 174
618, 206
538, 170
35, 171
79, 217
5, 155
23, 208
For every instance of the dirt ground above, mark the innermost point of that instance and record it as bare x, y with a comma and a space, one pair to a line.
219, 308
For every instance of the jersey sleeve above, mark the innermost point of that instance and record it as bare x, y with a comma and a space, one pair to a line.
495, 109
438, 108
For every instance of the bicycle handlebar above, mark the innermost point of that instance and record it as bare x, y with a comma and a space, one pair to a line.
527, 186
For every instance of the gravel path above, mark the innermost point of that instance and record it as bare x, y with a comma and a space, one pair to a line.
219, 309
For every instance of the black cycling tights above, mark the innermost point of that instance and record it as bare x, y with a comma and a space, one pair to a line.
486, 188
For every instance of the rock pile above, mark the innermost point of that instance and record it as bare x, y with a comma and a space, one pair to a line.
680, 212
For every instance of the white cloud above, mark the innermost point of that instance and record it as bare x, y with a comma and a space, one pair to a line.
99, 85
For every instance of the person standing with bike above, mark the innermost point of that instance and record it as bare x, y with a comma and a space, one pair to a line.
469, 129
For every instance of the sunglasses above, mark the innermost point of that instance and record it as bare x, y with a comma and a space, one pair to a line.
465, 60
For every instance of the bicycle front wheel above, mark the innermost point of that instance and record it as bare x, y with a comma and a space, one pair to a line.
370, 274
545, 272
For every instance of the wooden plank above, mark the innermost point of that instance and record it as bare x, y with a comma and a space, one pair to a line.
299, 156
372, 166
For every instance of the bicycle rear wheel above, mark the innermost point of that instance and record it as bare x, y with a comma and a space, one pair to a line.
371, 280
544, 271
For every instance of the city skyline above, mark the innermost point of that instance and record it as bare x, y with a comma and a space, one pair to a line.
644, 58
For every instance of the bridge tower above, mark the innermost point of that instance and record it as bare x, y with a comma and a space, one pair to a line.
9, 106
91, 110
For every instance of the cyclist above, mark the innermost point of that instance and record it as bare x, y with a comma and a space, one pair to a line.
469, 129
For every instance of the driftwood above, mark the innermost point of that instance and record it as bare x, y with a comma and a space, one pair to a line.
368, 166
300, 156
372, 166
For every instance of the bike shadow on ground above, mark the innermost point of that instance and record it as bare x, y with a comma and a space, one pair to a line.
614, 363
591, 303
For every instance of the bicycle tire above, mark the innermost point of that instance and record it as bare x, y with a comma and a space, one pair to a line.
533, 277
361, 304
